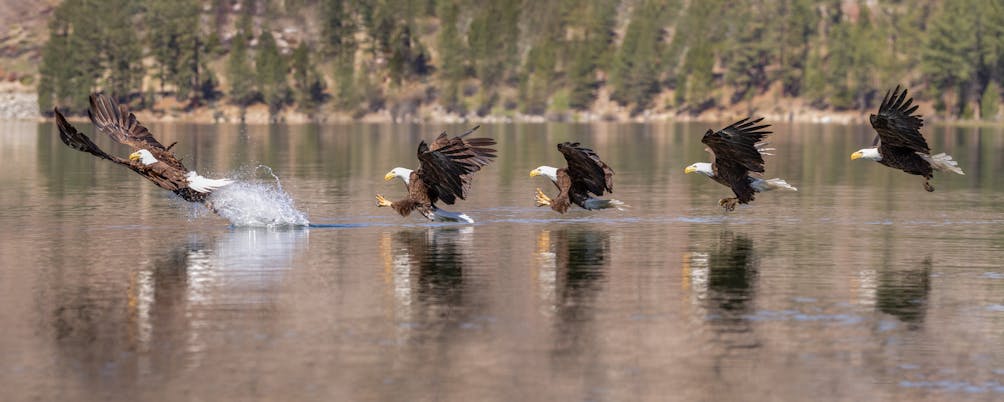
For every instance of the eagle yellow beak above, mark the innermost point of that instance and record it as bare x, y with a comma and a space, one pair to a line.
689, 169
134, 156
534, 173
857, 155
389, 176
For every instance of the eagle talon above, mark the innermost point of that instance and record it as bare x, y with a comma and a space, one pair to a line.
729, 204
382, 202
928, 186
542, 199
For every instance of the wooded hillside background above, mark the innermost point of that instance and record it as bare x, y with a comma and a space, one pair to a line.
535, 57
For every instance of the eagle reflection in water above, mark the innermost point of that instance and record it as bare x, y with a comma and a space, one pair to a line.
185, 290
156, 318
723, 280
572, 265
903, 293
425, 267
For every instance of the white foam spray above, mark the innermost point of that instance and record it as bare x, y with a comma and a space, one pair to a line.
247, 203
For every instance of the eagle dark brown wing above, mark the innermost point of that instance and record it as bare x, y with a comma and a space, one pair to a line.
443, 139
77, 140
586, 170
897, 126
160, 173
736, 154
447, 169
117, 122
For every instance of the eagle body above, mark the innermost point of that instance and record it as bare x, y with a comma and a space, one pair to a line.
151, 159
899, 143
418, 198
737, 161
169, 178
569, 192
446, 169
585, 178
907, 161
741, 186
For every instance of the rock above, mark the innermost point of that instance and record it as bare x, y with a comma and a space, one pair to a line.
18, 106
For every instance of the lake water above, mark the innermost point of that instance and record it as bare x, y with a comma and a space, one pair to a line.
860, 286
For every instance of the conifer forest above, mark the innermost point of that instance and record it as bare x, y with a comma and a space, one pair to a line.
547, 58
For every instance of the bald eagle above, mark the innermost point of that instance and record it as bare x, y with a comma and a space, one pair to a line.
900, 145
586, 174
150, 158
445, 171
737, 161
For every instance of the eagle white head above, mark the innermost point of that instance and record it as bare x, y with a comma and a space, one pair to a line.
871, 154
700, 167
143, 156
399, 172
546, 171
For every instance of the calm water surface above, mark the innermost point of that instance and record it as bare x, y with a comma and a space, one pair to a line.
861, 286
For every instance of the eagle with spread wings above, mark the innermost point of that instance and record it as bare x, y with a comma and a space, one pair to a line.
899, 144
737, 153
585, 178
446, 169
150, 158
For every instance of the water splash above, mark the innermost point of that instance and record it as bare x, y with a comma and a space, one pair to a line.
250, 203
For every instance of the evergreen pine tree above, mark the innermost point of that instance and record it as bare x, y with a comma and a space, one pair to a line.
337, 27
950, 47
55, 81
581, 80
271, 70
121, 53
586, 55
990, 102
452, 68
240, 73
538, 77
84, 54
749, 55
308, 83
493, 36
814, 82
408, 57
697, 34
866, 59
346, 94
794, 32
839, 63
635, 71
175, 43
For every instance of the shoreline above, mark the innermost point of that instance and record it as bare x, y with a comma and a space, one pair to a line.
23, 106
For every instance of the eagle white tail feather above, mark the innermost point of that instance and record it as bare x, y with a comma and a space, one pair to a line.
599, 203
764, 148
204, 185
762, 185
439, 215
943, 162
